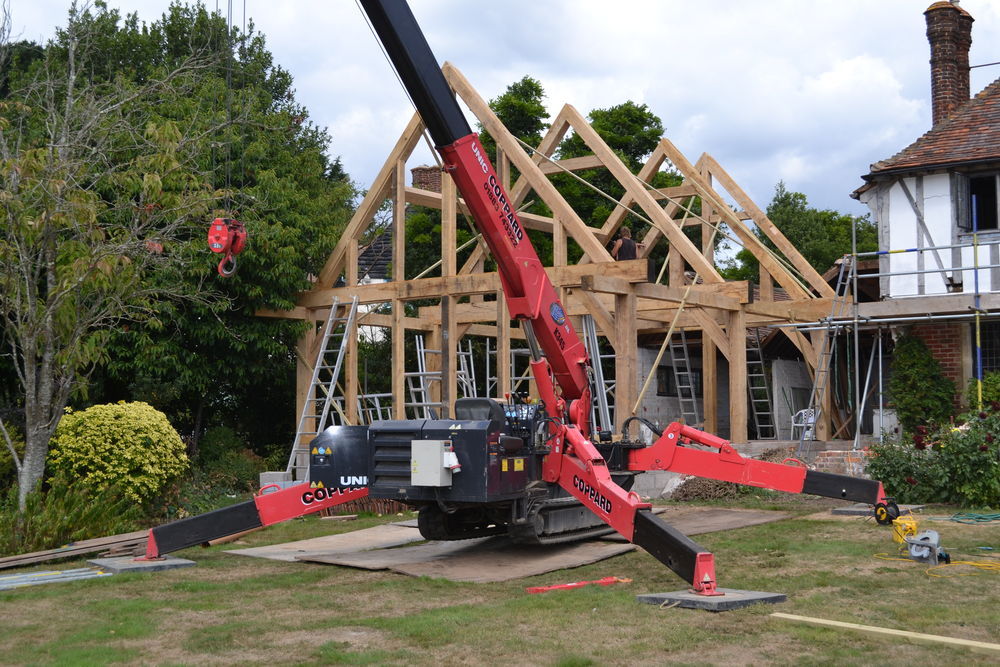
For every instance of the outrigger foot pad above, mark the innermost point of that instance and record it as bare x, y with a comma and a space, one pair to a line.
729, 600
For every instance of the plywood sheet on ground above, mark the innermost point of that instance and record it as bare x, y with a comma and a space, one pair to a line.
377, 537
484, 560
495, 559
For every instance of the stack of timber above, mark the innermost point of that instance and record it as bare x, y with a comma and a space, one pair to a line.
126, 544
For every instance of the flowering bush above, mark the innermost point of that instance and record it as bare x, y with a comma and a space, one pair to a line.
958, 463
127, 446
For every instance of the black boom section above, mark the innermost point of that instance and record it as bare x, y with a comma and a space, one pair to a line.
204, 527
667, 544
829, 485
409, 52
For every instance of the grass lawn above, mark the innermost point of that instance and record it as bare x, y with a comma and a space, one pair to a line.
232, 609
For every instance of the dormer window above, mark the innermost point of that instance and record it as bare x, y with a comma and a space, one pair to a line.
982, 208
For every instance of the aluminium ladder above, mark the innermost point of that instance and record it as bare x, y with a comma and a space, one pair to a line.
819, 395
419, 382
603, 390
316, 414
759, 390
684, 379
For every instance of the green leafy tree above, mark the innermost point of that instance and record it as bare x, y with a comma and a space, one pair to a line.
118, 143
822, 236
215, 361
522, 111
91, 180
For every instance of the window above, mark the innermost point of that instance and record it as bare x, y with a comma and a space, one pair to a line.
666, 384
982, 209
990, 338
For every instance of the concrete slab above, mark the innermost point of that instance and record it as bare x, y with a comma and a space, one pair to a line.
732, 599
122, 564
377, 537
482, 560
863, 509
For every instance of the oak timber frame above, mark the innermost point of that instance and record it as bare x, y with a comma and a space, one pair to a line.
622, 297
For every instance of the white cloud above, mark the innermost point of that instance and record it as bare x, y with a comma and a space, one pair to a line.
809, 92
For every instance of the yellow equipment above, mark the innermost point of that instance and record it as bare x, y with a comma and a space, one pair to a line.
904, 527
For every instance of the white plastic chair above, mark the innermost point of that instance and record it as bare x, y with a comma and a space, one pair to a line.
804, 419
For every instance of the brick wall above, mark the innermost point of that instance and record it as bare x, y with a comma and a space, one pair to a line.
945, 343
841, 462
949, 31
427, 178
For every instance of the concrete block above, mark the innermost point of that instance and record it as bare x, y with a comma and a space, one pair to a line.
122, 564
732, 599
279, 477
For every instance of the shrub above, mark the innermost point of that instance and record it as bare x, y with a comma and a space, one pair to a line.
956, 464
991, 390
63, 514
218, 483
8, 471
128, 446
920, 392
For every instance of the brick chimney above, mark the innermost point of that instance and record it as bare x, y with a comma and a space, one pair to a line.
949, 31
427, 178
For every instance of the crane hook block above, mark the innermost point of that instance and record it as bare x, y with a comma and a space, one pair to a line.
227, 236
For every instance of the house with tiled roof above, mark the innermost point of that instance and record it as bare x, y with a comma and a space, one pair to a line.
937, 208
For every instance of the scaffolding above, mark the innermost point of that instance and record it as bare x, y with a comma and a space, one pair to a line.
861, 388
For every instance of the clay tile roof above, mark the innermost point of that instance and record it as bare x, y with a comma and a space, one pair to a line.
971, 134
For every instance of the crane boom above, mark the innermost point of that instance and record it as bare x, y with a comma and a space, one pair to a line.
531, 296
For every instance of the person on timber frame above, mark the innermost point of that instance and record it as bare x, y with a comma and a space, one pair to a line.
624, 247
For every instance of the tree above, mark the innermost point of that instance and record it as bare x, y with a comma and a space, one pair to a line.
821, 236
115, 145
521, 110
920, 392
91, 182
216, 362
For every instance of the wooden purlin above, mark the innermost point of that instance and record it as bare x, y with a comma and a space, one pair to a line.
791, 253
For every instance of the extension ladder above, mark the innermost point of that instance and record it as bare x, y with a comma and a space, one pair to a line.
603, 390
818, 396
684, 379
758, 389
316, 412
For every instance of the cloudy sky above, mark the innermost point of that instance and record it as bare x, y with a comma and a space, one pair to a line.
806, 92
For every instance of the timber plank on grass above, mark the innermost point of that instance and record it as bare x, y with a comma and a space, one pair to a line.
134, 543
